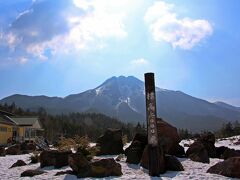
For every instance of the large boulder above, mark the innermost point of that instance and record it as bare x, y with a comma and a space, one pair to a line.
78, 163
168, 137
99, 168
141, 137
135, 150
54, 158
197, 152
145, 159
228, 153
173, 164
179, 151
111, 142
105, 168
18, 163
208, 140
2, 151
207, 137
32, 172
13, 150
220, 151
229, 168
27, 146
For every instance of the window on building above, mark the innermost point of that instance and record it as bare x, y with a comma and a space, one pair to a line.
3, 129
27, 134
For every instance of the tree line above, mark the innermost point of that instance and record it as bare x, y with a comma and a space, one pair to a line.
227, 130
70, 125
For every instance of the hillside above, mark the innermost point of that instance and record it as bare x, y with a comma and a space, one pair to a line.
123, 98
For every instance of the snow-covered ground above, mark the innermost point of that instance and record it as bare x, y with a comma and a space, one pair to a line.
193, 170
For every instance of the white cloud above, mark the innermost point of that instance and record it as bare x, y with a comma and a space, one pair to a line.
184, 33
74, 25
139, 62
23, 60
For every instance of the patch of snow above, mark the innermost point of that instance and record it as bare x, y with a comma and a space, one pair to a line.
128, 102
229, 142
98, 91
192, 170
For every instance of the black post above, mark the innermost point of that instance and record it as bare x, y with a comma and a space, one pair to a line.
153, 147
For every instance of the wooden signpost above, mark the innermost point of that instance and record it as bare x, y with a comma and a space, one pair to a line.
153, 146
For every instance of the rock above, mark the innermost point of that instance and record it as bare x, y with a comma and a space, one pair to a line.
13, 150
100, 168
141, 137
2, 151
228, 153
197, 152
64, 172
229, 168
211, 149
54, 158
78, 163
179, 151
111, 142
168, 136
220, 151
208, 140
207, 137
30, 147
134, 152
173, 164
31, 173
18, 163
144, 160
105, 168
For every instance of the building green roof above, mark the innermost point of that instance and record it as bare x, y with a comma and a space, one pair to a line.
6, 120
24, 121
6, 113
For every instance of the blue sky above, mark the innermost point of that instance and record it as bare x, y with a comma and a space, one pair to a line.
57, 48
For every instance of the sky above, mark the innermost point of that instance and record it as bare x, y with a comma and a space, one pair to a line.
63, 47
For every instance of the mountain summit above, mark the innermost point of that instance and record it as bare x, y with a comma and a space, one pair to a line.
123, 97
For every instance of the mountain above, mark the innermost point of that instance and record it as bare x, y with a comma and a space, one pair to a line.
123, 97
228, 106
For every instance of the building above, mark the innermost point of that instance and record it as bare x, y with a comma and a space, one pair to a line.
18, 129
6, 127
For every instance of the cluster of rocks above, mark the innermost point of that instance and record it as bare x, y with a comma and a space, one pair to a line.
16, 149
111, 143
80, 165
29, 172
204, 148
168, 148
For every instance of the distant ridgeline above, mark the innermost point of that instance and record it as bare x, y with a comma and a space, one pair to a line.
75, 124
124, 98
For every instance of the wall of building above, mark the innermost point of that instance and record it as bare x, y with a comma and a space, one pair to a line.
5, 133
